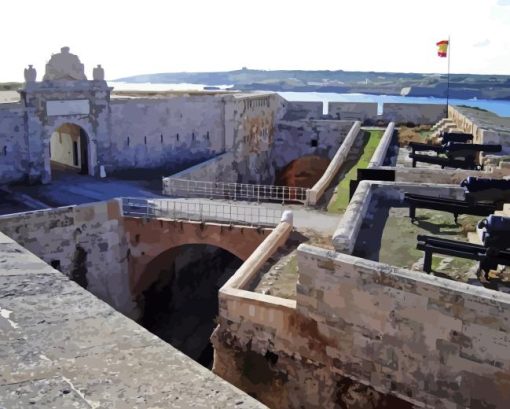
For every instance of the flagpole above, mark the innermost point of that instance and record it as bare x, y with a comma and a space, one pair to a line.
448, 50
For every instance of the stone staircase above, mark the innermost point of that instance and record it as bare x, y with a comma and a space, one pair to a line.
445, 124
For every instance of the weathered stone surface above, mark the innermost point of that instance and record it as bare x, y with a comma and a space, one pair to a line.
64, 66
411, 326
62, 347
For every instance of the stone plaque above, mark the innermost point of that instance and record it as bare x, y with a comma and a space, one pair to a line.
68, 107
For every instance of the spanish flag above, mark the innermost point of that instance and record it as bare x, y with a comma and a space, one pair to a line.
442, 48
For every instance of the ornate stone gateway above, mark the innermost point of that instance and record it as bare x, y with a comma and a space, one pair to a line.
65, 97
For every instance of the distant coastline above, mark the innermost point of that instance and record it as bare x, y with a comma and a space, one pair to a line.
462, 86
499, 107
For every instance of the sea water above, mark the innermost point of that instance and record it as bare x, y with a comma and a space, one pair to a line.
499, 107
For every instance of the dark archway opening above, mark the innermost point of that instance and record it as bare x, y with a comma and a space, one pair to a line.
181, 306
69, 150
302, 172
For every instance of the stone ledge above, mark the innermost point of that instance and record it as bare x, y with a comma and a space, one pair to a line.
66, 348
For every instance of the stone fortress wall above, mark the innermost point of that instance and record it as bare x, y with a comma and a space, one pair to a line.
149, 133
428, 341
55, 235
130, 133
13, 143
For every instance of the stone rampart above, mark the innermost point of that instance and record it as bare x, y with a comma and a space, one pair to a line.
295, 139
299, 110
14, 161
64, 348
414, 113
428, 340
442, 176
218, 169
157, 132
382, 149
316, 192
84, 242
358, 111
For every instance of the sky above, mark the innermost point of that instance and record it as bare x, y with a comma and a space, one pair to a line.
141, 37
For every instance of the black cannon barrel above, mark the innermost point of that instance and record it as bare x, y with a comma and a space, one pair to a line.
471, 147
466, 163
420, 147
456, 137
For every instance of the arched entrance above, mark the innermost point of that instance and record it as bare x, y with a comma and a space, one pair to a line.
181, 305
69, 150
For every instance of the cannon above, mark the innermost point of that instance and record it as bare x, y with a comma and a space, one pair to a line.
458, 155
495, 232
421, 147
495, 191
456, 207
488, 257
456, 150
463, 163
455, 137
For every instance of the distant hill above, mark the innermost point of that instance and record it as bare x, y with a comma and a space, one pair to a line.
461, 85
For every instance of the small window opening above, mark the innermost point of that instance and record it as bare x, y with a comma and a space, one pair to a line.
55, 264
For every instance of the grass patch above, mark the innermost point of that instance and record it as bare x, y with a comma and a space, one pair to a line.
371, 140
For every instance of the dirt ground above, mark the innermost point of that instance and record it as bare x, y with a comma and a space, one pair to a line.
279, 275
303, 172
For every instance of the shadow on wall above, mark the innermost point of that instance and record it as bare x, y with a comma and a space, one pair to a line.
302, 172
181, 306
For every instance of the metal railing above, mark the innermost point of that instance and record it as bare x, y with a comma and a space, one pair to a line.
199, 211
233, 191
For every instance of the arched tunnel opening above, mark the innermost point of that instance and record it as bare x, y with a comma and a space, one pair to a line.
302, 172
181, 306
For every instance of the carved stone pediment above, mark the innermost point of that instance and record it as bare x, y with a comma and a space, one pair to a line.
64, 66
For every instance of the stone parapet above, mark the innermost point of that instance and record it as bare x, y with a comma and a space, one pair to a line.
316, 192
382, 149
408, 333
63, 347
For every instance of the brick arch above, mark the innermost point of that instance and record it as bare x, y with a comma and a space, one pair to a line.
149, 239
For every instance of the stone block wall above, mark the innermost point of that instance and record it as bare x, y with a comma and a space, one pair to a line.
299, 110
359, 111
452, 176
149, 133
14, 161
218, 169
431, 341
251, 126
414, 113
295, 139
55, 234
